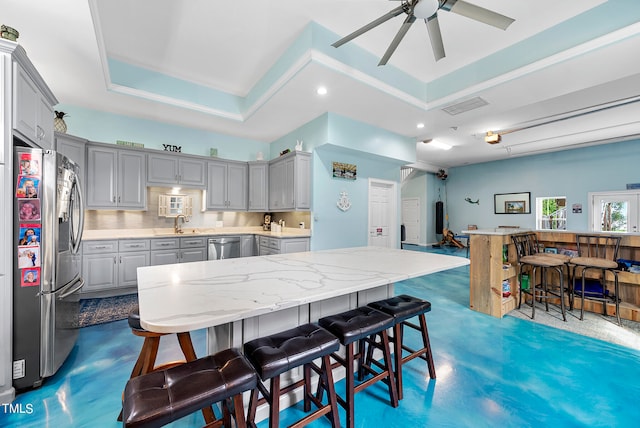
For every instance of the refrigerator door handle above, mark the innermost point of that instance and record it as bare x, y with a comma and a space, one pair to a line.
76, 235
80, 283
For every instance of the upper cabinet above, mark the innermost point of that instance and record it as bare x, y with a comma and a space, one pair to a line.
290, 182
32, 108
258, 186
74, 148
116, 179
175, 170
227, 185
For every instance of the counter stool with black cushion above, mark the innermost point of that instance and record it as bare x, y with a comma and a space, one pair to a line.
147, 358
403, 308
274, 355
529, 259
361, 325
164, 396
597, 252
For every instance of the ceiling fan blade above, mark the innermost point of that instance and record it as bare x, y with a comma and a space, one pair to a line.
397, 39
478, 13
384, 18
433, 27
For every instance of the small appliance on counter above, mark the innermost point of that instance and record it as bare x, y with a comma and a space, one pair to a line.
267, 222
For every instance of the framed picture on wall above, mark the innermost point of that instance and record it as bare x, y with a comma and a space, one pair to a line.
514, 207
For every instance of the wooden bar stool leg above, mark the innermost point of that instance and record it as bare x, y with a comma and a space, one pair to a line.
350, 386
238, 409
398, 330
274, 403
427, 345
393, 392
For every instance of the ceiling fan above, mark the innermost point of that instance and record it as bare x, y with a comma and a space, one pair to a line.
428, 10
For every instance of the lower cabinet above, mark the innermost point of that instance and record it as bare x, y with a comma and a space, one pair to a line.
178, 250
112, 265
270, 245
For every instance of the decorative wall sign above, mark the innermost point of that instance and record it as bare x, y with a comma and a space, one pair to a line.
576, 208
343, 201
344, 170
172, 148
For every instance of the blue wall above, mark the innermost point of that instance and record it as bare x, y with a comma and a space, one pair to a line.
570, 173
105, 127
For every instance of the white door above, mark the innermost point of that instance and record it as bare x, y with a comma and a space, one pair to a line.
615, 211
383, 208
411, 220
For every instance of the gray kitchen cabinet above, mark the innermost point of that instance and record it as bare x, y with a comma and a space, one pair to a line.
226, 185
271, 245
258, 186
178, 250
33, 111
172, 170
115, 179
112, 265
75, 149
248, 246
290, 182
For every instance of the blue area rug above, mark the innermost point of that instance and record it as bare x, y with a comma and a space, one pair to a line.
107, 309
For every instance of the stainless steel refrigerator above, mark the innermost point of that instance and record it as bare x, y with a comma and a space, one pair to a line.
48, 223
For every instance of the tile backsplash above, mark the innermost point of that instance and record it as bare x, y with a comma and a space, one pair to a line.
112, 219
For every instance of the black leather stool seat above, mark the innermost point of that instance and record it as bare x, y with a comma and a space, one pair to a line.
356, 324
402, 307
160, 397
281, 352
134, 320
276, 354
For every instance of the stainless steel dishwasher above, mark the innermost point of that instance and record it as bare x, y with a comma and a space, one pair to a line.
224, 247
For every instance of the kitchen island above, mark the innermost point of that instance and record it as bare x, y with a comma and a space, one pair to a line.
241, 299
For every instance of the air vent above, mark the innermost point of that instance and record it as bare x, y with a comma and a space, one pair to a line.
463, 106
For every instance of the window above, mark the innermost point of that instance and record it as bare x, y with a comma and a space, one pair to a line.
614, 211
551, 212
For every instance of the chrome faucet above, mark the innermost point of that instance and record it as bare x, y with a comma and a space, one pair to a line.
177, 228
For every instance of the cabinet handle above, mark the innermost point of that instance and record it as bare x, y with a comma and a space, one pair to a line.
114, 260
118, 199
114, 199
99, 247
164, 244
120, 259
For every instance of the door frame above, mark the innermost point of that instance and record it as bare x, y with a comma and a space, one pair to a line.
393, 215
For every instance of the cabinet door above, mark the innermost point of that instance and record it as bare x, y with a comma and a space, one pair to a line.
216, 185
258, 186
100, 272
26, 103
237, 186
101, 178
162, 170
294, 245
75, 149
276, 186
192, 173
303, 182
128, 268
132, 186
247, 245
164, 257
289, 182
44, 125
193, 255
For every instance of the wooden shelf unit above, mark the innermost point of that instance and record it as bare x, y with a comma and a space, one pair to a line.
487, 274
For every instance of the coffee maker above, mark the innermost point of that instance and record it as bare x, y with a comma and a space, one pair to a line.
267, 222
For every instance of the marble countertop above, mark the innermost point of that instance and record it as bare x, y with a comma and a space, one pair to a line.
190, 296
287, 232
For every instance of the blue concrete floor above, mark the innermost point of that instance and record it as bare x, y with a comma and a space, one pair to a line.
491, 372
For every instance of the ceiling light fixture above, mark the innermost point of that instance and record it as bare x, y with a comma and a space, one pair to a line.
492, 138
426, 8
420, 125
321, 90
437, 144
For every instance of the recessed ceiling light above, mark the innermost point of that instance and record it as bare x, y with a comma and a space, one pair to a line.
420, 125
321, 90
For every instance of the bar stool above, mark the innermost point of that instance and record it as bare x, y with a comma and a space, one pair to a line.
163, 396
598, 252
274, 355
361, 325
148, 353
402, 308
528, 257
